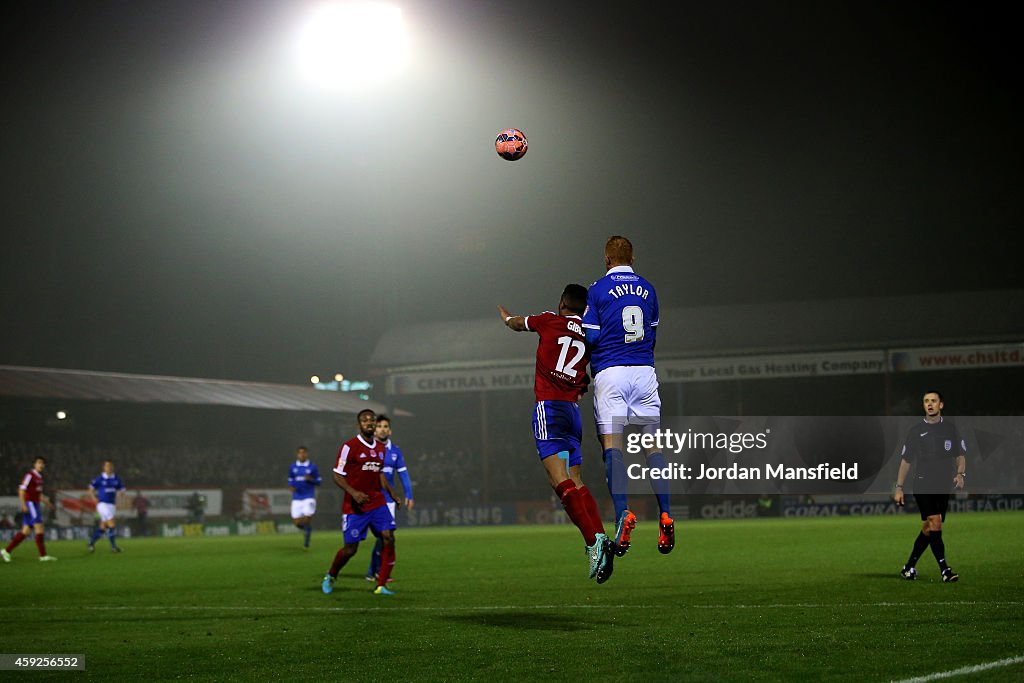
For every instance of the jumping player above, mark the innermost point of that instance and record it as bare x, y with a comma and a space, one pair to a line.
30, 493
620, 322
104, 490
303, 478
940, 458
358, 473
394, 464
561, 379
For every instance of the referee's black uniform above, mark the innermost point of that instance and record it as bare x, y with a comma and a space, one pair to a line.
932, 449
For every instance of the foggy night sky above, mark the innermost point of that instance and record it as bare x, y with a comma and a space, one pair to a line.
177, 201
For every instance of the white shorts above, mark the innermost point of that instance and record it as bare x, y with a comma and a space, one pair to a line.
626, 394
303, 508
106, 511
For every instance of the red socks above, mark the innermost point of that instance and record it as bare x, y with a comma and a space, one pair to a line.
387, 563
339, 562
591, 505
576, 507
18, 538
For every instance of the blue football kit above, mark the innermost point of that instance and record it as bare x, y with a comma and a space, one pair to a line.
621, 320
106, 487
297, 480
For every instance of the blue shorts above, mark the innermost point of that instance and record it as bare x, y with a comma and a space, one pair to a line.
354, 525
33, 516
557, 427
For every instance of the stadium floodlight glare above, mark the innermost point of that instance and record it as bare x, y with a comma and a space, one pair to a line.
314, 380
351, 43
61, 415
338, 377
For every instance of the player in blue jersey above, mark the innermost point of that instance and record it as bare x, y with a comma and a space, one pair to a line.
621, 322
303, 478
104, 490
394, 464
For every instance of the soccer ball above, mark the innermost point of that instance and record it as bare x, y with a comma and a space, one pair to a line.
511, 144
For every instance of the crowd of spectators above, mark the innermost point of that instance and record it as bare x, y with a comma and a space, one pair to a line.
451, 476
507, 471
73, 466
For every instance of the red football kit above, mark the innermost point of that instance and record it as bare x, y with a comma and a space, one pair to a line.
360, 462
32, 485
562, 357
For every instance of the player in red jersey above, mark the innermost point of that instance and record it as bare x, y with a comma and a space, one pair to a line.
562, 357
30, 493
359, 472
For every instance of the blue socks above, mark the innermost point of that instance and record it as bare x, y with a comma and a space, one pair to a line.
112, 534
618, 482
659, 486
615, 473
307, 531
96, 533
375, 558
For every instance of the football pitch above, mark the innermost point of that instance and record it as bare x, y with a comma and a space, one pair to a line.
768, 599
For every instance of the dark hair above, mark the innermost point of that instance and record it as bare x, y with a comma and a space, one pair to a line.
38, 457
574, 297
383, 418
365, 410
933, 391
301, 448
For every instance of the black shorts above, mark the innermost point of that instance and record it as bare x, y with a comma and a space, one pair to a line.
929, 504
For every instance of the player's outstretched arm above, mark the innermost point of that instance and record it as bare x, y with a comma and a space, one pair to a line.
515, 322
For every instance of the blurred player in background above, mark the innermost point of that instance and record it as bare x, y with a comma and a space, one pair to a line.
30, 494
561, 379
939, 456
621, 319
303, 478
104, 490
394, 463
359, 472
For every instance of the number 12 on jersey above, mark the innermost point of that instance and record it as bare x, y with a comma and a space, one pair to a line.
568, 342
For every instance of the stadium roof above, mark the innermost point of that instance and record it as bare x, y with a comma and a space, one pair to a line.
27, 382
792, 326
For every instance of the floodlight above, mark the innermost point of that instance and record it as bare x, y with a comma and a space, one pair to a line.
352, 43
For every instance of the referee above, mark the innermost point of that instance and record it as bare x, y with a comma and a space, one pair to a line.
938, 455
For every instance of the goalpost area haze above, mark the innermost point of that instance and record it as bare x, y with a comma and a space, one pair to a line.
764, 599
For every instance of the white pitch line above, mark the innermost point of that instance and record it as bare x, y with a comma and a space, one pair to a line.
963, 671
497, 608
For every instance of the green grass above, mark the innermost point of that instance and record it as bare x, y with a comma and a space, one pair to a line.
764, 599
